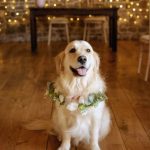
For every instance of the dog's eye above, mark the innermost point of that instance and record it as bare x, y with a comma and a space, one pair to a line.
73, 50
88, 50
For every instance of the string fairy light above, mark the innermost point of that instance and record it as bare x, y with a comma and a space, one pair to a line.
135, 12
15, 21
46, 4
134, 9
13, 7
9, 20
131, 3
26, 6
121, 6
23, 19
129, 6
135, 22
78, 19
17, 13
125, 20
71, 19
131, 15
13, 1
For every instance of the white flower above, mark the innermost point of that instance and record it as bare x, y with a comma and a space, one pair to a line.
72, 106
90, 98
81, 100
61, 98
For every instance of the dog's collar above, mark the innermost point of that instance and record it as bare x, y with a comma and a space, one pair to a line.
93, 99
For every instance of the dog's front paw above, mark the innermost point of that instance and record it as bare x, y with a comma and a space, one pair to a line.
64, 147
95, 147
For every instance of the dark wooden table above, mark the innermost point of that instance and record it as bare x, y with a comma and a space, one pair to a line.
110, 12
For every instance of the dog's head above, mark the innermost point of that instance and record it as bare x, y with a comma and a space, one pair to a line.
78, 59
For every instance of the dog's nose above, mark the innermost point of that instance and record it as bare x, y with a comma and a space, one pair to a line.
82, 60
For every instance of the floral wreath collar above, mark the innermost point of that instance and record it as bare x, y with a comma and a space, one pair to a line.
92, 101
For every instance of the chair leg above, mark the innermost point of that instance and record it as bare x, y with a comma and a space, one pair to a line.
88, 33
105, 33
140, 58
148, 66
49, 34
85, 30
67, 33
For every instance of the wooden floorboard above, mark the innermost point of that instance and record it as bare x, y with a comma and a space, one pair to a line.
23, 78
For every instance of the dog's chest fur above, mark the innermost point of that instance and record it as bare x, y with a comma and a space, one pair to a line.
77, 124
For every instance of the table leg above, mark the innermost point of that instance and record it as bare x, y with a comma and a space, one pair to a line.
33, 33
114, 33
110, 31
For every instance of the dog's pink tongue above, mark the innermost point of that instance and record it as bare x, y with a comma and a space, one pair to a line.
82, 71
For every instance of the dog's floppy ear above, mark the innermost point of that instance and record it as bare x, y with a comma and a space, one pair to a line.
59, 61
97, 62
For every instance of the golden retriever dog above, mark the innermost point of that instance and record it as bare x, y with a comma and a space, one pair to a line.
79, 109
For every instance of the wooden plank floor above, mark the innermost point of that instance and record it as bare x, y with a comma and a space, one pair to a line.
23, 79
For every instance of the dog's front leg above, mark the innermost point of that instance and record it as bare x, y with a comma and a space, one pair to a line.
94, 135
66, 138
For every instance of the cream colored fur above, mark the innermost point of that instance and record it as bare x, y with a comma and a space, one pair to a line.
72, 125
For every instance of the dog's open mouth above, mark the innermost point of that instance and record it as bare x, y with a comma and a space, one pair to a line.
81, 71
